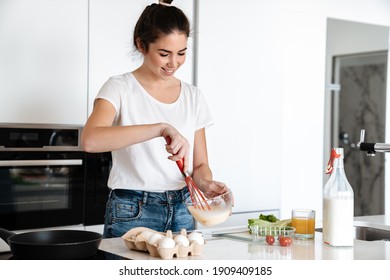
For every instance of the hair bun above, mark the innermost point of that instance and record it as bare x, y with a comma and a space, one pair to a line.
165, 2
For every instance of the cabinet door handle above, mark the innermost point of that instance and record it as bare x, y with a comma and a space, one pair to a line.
50, 162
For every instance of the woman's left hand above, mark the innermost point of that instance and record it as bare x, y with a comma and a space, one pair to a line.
215, 188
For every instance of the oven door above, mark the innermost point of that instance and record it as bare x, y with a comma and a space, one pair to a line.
41, 189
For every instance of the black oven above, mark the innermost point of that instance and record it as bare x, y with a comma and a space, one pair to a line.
47, 180
42, 176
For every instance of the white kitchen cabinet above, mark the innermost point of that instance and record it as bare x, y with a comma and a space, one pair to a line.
43, 61
111, 50
239, 73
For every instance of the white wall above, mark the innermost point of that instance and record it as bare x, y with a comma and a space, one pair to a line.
239, 71
111, 52
304, 90
303, 110
262, 66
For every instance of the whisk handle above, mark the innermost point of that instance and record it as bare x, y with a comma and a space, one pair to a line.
180, 164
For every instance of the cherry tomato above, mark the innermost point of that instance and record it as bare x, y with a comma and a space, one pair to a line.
270, 239
285, 240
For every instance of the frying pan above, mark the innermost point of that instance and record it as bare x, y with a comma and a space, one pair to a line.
52, 244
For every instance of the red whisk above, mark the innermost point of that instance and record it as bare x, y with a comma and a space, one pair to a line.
197, 197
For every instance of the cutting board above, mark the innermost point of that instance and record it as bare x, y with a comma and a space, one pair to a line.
236, 234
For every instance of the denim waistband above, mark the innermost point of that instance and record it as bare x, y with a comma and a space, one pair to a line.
169, 197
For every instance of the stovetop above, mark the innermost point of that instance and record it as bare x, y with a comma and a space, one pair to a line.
100, 255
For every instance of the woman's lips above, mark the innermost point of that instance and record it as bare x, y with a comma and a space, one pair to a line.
168, 72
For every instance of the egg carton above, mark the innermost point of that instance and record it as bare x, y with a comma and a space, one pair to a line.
179, 251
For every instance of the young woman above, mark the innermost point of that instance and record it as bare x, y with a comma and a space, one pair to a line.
146, 117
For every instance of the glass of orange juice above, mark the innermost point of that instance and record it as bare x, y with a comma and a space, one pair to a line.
303, 220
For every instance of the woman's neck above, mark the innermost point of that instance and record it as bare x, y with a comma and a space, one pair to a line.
166, 91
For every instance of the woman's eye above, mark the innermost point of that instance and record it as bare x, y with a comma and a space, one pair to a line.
165, 54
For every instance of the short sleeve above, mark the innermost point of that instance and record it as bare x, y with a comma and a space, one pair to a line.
204, 117
110, 91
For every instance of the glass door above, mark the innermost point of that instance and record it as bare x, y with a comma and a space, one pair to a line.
360, 103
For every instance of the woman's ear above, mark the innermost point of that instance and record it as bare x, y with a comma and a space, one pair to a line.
140, 46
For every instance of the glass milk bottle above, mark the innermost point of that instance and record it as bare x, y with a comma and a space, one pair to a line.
338, 204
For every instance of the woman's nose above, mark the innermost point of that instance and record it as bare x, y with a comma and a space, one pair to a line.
173, 61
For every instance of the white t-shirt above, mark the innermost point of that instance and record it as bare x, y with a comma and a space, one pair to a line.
145, 166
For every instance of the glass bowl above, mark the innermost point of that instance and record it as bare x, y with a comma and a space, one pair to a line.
211, 211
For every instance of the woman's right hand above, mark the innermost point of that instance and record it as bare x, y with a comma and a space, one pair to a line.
176, 144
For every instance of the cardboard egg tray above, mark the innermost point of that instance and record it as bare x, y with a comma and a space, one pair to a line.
179, 251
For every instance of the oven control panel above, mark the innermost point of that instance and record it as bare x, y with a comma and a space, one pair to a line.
39, 137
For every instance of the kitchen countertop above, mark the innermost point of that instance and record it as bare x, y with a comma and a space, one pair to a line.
234, 247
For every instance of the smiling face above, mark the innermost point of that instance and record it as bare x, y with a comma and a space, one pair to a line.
165, 56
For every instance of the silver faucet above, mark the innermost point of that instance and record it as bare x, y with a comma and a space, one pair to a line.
371, 148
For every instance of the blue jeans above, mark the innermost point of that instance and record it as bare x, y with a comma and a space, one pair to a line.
161, 211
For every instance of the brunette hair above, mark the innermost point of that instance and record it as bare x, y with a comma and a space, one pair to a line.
157, 20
